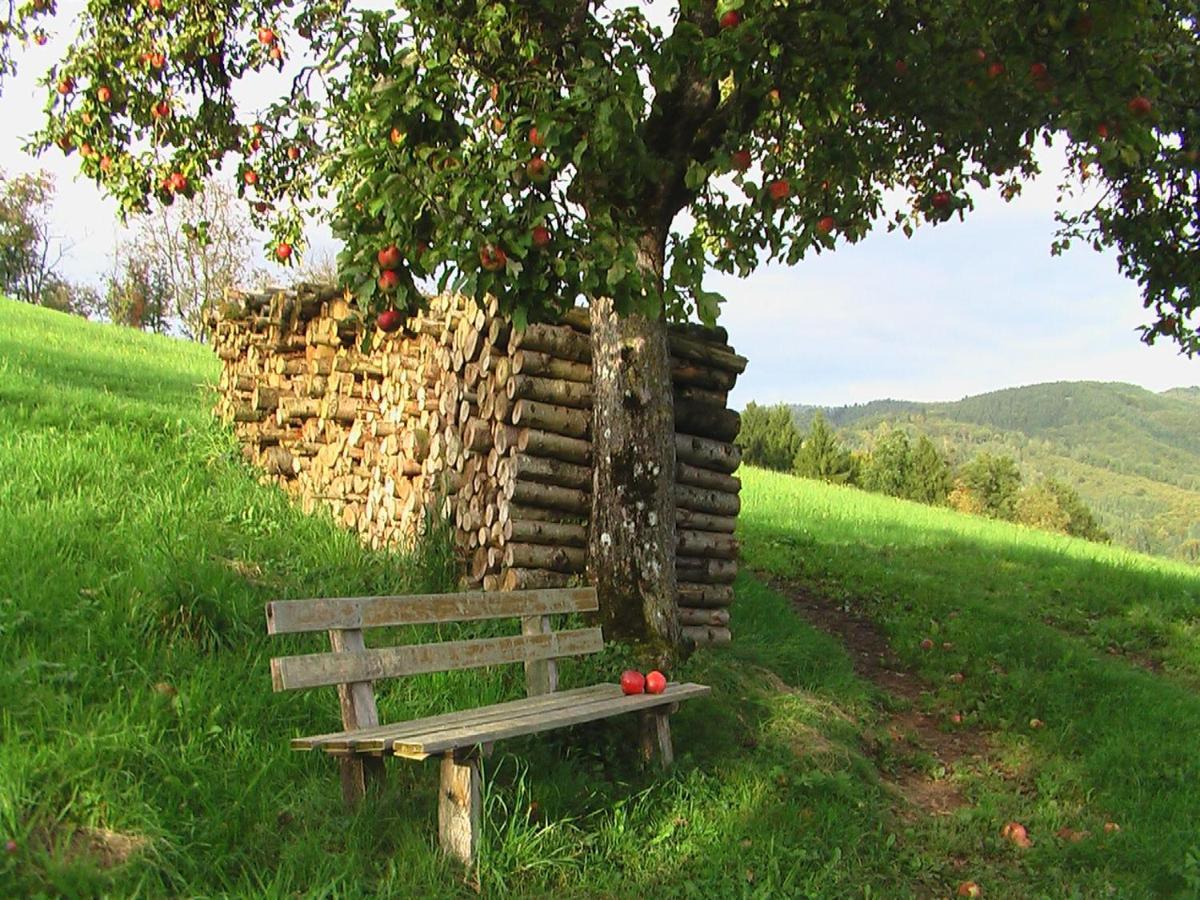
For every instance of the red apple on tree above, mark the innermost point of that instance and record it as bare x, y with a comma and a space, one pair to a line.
266, 36
632, 682
1140, 106
656, 682
941, 200
537, 170
284, 252
293, 153
779, 189
995, 70
901, 67
389, 320
731, 19
536, 138
389, 257
105, 163
250, 177
66, 85
161, 110
740, 159
276, 52
155, 5
104, 93
492, 258
388, 280
826, 224
540, 235
1038, 71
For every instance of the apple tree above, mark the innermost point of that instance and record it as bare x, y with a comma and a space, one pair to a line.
547, 151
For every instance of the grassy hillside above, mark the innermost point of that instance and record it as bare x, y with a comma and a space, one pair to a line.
1132, 454
143, 753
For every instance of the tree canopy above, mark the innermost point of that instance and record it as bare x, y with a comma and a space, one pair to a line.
543, 151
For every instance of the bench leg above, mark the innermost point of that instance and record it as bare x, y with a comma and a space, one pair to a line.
358, 773
656, 732
460, 805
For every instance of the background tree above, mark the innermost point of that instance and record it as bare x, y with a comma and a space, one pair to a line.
198, 248
458, 132
137, 294
29, 252
823, 456
888, 468
929, 476
994, 482
768, 437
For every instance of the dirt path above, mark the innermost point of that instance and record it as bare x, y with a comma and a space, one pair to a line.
941, 748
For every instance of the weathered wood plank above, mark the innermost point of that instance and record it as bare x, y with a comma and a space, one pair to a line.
354, 739
317, 669
532, 724
290, 616
541, 675
460, 804
357, 701
656, 734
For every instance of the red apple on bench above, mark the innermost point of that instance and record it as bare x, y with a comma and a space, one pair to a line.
656, 682
632, 682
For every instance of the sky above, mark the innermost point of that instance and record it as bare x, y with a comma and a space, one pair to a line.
960, 309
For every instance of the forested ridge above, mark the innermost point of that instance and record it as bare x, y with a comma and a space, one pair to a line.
1132, 455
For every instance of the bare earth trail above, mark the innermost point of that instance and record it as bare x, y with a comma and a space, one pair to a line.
942, 747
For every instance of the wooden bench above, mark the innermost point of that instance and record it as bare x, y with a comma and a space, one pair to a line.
458, 737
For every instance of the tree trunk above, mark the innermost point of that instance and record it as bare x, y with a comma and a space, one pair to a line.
631, 546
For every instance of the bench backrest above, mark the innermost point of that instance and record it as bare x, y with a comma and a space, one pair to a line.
353, 666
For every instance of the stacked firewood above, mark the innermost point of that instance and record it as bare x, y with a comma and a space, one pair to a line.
459, 415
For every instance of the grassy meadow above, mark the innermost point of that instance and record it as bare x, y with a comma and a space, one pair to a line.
142, 752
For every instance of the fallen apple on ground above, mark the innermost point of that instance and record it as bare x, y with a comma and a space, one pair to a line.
969, 889
1017, 833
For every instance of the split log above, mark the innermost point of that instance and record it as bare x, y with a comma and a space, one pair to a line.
563, 420
548, 496
531, 362
528, 579
707, 454
544, 556
550, 390
705, 571
701, 616
686, 518
554, 533
549, 471
706, 544
714, 422
703, 500
706, 478
547, 444
706, 635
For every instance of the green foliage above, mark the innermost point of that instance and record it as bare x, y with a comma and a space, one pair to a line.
28, 256
1042, 627
136, 552
768, 437
1130, 454
823, 456
994, 482
888, 467
414, 124
929, 474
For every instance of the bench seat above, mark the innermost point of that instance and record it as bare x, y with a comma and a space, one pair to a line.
421, 738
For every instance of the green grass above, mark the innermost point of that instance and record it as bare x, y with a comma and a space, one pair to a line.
136, 551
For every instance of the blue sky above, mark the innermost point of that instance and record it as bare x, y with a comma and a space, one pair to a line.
956, 310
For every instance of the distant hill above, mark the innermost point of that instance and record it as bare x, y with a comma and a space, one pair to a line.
1133, 455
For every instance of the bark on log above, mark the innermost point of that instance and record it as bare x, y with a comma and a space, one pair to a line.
548, 496
705, 635
528, 579
714, 422
702, 616
706, 544
686, 518
554, 533
551, 445
549, 390
707, 454
531, 362
703, 500
706, 478
557, 340
544, 556
558, 419
550, 471
705, 595
706, 571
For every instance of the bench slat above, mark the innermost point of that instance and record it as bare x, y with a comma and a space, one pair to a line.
356, 738
422, 745
290, 616
317, 669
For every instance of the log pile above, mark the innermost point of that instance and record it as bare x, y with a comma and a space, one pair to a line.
459, 415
